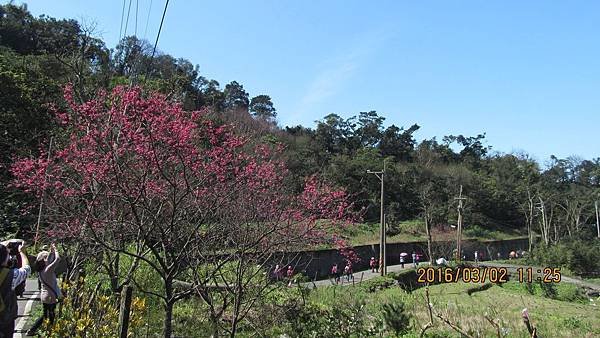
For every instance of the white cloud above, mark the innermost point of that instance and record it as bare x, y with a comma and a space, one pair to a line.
338, 70
328, 82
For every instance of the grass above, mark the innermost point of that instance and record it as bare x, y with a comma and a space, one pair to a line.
368, 233
566, 314
552, 317
414, 230
562, 291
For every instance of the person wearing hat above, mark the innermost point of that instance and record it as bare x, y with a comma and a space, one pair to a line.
10, 278
50, 292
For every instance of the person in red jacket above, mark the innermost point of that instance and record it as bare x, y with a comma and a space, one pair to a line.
335, 274
373, 264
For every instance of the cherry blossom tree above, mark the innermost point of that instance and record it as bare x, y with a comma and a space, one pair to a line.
136, 175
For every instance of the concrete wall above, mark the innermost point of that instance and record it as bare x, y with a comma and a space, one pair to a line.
317, 264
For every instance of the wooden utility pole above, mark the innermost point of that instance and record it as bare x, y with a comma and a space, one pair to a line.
382, 239
597, 219
382, 251
459, 225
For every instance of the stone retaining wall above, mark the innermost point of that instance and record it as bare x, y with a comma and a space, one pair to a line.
316, 264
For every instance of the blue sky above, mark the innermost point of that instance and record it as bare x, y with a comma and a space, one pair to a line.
525, 72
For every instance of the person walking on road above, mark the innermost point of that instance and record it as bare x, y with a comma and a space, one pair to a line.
335, 273
277, 272
9, 280
290, 274
348, 271
50, 293
373, 264
414, 258
476, 256
402, 261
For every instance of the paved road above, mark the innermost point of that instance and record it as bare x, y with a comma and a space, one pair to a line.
24, 319
361, 276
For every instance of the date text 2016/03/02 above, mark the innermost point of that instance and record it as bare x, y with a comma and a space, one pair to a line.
486, 274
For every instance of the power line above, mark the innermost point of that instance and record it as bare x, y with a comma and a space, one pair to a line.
159, 29
137, 4
156, 41
122, 16
127, 21
147, 19
136, 62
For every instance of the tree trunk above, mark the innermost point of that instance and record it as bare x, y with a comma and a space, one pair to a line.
168, 320
114, 276
551, 222
215, 325
545, 228
238, 297
597, 218
578, 219
530, 222
168, 323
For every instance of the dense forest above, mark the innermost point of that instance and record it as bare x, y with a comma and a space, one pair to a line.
39, 56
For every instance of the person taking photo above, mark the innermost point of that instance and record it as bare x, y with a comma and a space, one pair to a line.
50, 292
10, 278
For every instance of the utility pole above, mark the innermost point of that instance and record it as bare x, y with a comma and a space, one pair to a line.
459, 226
382, 240
597, 219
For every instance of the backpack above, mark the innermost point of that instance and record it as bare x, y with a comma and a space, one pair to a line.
8, 298
3, 275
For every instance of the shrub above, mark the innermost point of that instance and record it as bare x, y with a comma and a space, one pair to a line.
377, 283
396, 317
529, 287
579, 256
320, 320
414, 227
86, 313
393, 229
549, 290
477, 231
407, 279
571, 293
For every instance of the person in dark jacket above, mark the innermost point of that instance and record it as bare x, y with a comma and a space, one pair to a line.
10, 278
